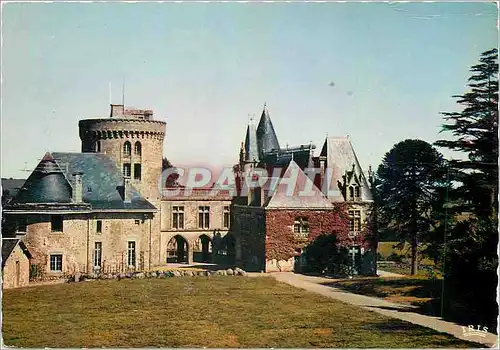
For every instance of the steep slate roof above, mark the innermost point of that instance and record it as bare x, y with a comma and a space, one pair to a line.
102, 181
340, 157
266, 136
282, 197
46, 184
251, 148
12, 185
8, 245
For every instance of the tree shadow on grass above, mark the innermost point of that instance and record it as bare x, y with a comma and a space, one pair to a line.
423, 294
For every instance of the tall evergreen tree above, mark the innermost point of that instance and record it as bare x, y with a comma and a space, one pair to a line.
476, 134
407, 181
471, 247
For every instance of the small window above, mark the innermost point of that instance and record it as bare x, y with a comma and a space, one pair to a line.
351, 192
56, 223
354, 220
137, 222
301, 227
225, 219
137, 172
99, 226
22, 224
97, 254
137, 148
98, 146
131, 254
56, 262
358, 192
204, 217
126, 148
178, 217
126, 170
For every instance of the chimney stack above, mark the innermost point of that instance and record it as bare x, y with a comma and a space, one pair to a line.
77, 194
126, 189
117, 110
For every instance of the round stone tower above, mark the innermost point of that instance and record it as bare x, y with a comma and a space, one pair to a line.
134, 140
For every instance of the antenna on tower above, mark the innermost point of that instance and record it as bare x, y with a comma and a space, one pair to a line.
123, 92
110, 98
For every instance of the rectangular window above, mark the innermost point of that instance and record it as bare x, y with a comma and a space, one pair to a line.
178, 217
56, 262
56, 223
126, 169
137, 172
99, 226
137, 222
97, 254
131, 254
301, 227
22, 224
354, 220
204, 217
225, 219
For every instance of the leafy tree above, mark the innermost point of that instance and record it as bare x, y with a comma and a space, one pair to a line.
171, 180
471, 247
407, 184
324, 253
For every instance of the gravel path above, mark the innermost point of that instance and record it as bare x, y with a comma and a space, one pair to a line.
399, 311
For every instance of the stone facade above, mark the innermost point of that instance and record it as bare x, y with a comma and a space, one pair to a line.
191, 229
16, 269
76, 243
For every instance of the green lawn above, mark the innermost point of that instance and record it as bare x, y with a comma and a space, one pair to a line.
216, 311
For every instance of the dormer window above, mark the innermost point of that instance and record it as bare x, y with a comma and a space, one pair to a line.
351, 192
301, 227
358, 192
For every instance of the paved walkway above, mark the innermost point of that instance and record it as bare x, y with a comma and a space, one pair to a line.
381, 306
388, 274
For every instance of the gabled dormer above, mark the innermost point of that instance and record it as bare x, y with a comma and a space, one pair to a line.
351, 185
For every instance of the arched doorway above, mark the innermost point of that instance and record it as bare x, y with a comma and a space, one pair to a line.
202, 251
177, 250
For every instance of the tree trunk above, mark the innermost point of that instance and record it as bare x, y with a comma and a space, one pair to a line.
414, 253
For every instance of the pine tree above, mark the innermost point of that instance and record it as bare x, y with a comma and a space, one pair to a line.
475, 129
407, 183
471, 246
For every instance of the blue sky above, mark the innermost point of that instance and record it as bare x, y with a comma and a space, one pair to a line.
204, 68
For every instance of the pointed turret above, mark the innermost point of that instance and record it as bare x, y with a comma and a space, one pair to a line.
266, 136
251, 148
46, 184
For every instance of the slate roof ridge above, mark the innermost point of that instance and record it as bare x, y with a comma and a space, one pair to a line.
277, 199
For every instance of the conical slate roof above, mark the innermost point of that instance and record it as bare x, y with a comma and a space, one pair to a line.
266, 136
46, 184
286, 195
251, 148
341, 159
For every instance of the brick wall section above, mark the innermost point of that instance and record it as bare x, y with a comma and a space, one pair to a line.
9, 273
281, 241
249, 230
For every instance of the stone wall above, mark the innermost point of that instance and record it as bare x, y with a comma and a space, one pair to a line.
77, 241
9, 273
190, 232
249, 231
113, 133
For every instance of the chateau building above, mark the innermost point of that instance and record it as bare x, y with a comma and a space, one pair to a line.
275, 223
108, 209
